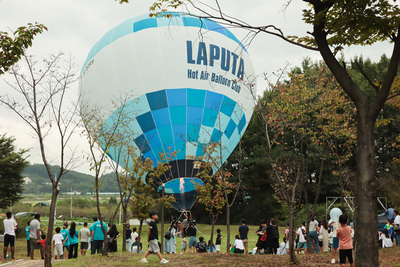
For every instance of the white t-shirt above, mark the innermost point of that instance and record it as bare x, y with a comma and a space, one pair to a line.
301, 236
133, 236
238, 244
58, 239
9, 225
386, 242
335, 226
397, 220
312, 226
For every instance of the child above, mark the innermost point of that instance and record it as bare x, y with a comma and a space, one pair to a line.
184, 243
202, 245
58, 244
43, 241
210, 247
391, 232
282, 250
152, 238
343, 233
386, 241
218, 241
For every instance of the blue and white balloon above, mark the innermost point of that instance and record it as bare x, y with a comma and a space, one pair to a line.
187, 80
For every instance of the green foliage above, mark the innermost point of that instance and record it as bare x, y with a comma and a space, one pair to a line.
12, 49
12, 164
113, 200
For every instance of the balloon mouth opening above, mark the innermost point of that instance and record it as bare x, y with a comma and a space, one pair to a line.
181, 186
185, 169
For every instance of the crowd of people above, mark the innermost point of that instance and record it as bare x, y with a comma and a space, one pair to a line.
324, 236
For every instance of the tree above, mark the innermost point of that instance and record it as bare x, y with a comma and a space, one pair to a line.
12, 164
42, 105
13, 49
336, 24
211, 194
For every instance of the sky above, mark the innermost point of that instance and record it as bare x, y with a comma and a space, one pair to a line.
74, 26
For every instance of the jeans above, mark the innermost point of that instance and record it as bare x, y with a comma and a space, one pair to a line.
313, 235
97, 245
128, 244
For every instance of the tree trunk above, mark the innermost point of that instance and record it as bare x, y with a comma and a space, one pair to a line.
139, 233
292, 251
367, 184
48, 255
124, 227
213, 221
228, 229
104, 253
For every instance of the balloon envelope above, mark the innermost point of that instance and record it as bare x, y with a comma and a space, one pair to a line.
187, 80
335, 214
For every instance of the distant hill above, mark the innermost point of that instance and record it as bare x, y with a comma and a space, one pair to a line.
76, 180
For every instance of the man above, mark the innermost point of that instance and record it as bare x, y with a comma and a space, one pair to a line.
34, 236
84, 235
191, 232
185, 223
97, 235
152, 238
302, 239
243, 231
9, 234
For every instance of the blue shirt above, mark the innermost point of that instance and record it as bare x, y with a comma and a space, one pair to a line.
27, 232
65, 233
73, 239
98, 232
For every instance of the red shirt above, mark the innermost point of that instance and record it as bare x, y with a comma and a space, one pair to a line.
344, 236
42, 242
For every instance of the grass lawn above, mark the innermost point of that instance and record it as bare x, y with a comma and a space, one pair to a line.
388, 257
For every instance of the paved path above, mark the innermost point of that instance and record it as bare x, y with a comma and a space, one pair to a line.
22, 263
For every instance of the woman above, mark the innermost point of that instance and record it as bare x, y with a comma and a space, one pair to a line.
324, 233
272, 237
238, 245
397, 222
128, 237
262, 242
113, 235
386, 241
169, 244
73, 241
313, 230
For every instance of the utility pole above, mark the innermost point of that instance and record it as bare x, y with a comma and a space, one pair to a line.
71, 202
162, 220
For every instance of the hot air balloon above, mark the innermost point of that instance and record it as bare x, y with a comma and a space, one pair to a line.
188, 79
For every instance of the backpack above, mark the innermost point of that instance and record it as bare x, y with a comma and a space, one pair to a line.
202, 247
275, 233
167, 235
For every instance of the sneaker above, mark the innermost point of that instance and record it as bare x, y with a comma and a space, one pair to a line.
163, 261
333, 261
13, 259
143, 260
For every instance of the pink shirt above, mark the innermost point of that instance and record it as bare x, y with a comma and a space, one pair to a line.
344, 236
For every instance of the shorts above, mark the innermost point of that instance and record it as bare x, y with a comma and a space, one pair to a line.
192, 241
183, 246
153, 246
217, 247
84, 245
302, 245
35, 245
240, 251
335, 242
321, 243
345, 253
58, 249
9, 240
245, 243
